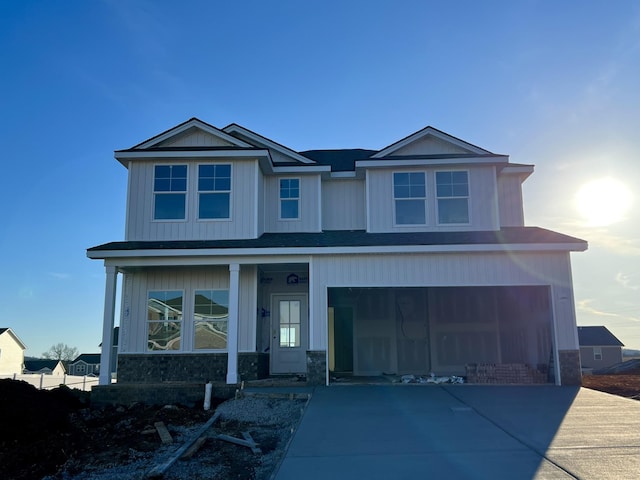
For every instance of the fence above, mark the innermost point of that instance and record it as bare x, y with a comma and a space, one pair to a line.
43, 381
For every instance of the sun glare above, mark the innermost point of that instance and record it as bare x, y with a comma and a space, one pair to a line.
603, 201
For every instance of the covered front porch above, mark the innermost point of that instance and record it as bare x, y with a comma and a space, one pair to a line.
207, 321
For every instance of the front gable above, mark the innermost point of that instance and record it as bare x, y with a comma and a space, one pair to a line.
430, 141
192, 133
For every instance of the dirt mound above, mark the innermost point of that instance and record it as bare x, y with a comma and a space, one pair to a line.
625, 384
43, 430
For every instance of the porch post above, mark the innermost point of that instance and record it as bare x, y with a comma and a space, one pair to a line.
107, 325
232, 327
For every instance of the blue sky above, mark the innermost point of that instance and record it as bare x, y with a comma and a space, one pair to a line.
554, 84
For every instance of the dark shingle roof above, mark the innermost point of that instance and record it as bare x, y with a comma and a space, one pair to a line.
89, 358
2, 330
359, 238
597, 336
342, 160
37, 365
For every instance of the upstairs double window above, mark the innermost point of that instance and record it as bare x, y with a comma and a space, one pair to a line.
411, 202
170, 184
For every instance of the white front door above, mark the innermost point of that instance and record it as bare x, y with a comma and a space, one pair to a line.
289, 333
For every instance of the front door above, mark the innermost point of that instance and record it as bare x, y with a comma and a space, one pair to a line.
289, 334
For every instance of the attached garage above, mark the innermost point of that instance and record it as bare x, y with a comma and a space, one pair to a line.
419, 330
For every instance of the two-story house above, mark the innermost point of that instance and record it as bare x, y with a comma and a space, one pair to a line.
243, 258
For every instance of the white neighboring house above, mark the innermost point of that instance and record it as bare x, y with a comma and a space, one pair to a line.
11, 352
243, 258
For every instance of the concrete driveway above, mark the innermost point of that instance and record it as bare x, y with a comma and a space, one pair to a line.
465, 432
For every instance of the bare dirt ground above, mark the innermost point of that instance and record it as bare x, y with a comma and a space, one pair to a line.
623, 384
54, 435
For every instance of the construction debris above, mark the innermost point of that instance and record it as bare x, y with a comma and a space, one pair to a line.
165, 436
432, 378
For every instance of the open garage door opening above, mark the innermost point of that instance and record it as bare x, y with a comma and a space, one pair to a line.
462, 331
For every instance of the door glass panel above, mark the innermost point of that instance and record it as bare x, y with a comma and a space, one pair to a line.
289, 323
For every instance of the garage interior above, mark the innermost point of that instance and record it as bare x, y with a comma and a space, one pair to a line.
381, 332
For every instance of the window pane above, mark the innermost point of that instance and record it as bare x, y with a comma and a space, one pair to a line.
294, 312
402, 191
453, 210
211, 315
410, 212
460, 190
443, 177
416, 191
162, 171
169, 206
409, 185
401, 178
164, 315
178, 184
444, 190
459, 177
164, 336
162, 185
416, 178
214, 178
289, 209
214, 205
179, 171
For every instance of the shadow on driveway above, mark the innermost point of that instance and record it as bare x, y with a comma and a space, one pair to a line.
465, 432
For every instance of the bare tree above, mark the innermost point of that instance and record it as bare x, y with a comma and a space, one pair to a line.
61, 351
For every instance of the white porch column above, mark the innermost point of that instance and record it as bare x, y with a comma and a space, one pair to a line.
107, 325
232, 327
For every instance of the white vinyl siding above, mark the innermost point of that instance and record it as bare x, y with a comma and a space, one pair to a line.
483, 209
430, 146
194, 138
244, 201
510, 201
459, 269
343, 205
309, 210
133, 328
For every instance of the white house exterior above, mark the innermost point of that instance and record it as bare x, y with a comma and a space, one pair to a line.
11, 352
243, 258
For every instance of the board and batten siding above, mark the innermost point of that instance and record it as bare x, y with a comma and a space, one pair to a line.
309, 207
195, 138
140, 223
133, 325
444, 269
483, 207
343, 205
510, 201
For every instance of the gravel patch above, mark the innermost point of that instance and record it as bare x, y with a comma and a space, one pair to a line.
269, 421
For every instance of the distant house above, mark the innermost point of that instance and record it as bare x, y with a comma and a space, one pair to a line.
48, 367
85, 364
599, 348
11, 352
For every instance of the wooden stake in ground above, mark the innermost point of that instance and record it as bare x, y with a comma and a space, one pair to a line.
165, 436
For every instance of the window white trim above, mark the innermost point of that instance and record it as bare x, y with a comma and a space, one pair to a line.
185, 193
394, 200
437, 198
297, 199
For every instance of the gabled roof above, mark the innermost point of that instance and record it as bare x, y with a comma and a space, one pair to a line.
183, 127
40, 365
10, 332
255, 138
434, 132
598, 336
88, 358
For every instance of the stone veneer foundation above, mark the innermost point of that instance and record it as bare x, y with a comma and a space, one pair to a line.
316, 367
570, 372
189, 367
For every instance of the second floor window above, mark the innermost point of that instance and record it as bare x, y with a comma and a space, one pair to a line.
289, 198
409, 194
170, 192
214, 191
452, 190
